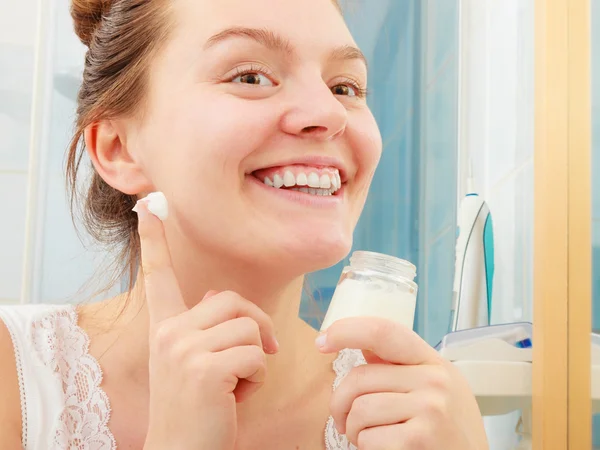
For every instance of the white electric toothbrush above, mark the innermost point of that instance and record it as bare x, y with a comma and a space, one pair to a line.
474, 271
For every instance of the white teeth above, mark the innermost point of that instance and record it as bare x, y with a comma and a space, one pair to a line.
313, 191
301, 179
334, 182
289, 179
277, 181
313, 180
325, 182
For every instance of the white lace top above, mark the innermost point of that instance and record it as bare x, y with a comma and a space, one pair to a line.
63, 405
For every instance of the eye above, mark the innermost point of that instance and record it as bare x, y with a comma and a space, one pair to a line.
343, 89
253, 78
349, 89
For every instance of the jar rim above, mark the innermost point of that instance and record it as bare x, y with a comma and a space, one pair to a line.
384, 261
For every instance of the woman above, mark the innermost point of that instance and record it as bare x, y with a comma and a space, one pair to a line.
230, 108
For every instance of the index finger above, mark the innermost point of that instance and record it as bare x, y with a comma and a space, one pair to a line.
387, 339
163, 295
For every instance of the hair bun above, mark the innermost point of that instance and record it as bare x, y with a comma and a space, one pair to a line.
87, 15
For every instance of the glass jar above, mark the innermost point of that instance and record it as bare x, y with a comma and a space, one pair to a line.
377, 285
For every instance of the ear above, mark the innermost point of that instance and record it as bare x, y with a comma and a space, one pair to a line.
106, 144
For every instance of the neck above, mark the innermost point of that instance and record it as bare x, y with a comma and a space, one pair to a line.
288, 371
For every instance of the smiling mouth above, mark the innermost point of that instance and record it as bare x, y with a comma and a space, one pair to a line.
319, 181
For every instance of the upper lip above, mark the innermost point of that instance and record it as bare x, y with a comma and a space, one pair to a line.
310, 160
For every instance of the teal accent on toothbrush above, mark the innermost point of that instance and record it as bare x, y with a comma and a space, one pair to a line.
488, 249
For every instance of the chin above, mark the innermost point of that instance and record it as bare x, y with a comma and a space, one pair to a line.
317, 252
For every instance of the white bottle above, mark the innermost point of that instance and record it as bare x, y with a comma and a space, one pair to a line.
376, 285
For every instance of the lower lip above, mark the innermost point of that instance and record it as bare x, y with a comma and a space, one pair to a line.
321, 201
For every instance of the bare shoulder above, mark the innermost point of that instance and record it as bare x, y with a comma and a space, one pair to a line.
10, 406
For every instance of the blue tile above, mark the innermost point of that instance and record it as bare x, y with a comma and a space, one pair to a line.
441, 35
440, 276
440, 148
596, 431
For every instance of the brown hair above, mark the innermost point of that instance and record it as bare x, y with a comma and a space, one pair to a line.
122, 36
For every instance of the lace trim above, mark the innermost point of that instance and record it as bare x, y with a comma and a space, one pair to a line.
347, 359
19, 364
63, 347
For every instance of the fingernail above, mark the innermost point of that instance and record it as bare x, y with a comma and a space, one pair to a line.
321, 340
141, 210
273, 348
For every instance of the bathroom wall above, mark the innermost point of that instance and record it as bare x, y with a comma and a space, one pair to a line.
43, 260
438, 171
17, 39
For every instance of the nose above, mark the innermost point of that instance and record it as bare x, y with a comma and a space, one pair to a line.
316, 114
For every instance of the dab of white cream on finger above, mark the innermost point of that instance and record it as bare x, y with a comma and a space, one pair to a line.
157, 204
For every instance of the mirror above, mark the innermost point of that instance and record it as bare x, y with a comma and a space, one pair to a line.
452, 88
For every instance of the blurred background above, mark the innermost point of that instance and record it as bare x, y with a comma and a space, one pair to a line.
451, 81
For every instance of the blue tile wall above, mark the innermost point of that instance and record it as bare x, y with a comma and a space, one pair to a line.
411, 211
440, 276
439, 154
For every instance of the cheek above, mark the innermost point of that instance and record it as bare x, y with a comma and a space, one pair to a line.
203, 139
365, 138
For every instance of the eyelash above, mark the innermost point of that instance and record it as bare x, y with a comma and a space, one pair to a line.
360, 91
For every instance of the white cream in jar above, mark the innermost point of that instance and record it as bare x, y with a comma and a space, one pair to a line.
376, 285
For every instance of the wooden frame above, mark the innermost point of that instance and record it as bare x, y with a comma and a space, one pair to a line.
562, 230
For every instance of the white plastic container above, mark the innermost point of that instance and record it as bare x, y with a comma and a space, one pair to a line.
376, 285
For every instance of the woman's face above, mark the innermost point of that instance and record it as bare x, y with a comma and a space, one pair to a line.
247, 96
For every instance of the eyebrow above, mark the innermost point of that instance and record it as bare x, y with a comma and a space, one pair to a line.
275, 42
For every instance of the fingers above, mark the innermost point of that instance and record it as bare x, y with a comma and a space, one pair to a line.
410, 436
162, 290
379, 438
377, 410
245, 362
370, 379
233, 333
226, 306
249, 365
388, 340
